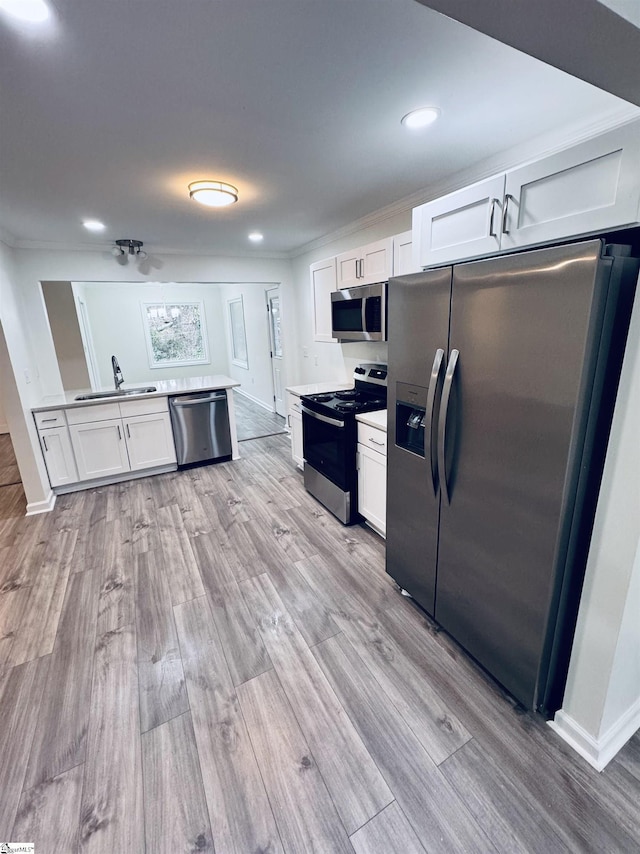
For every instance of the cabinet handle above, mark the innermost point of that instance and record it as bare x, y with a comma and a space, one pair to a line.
119, 433
373, 441
492, 233
44, 442
505, 210
47, 420
289, 420
359, 268
128, 433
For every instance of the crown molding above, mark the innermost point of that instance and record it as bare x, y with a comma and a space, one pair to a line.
535, 149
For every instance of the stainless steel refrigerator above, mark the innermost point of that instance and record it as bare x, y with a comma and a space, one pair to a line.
502, 380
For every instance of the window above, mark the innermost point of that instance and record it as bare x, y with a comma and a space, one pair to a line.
239, 354
176, 334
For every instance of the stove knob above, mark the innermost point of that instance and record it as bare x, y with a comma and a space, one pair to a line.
359, 371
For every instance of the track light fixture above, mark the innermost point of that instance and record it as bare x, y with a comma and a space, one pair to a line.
127, 246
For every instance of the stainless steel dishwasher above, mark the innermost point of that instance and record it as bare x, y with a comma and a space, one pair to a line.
200, 424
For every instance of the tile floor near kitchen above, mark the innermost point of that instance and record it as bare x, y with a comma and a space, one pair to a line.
207, 660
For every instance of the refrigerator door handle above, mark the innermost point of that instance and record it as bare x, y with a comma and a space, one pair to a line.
429, 445
442, 423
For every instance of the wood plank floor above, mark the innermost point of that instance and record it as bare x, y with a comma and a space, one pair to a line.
9, 473
254, 421
208, 661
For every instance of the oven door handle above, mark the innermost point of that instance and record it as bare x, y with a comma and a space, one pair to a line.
325, 418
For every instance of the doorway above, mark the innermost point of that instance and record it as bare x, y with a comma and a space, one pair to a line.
275, 343
12, 497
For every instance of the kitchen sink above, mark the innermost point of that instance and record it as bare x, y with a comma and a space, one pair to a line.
98, 395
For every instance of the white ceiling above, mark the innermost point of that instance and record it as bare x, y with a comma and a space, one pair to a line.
113, 110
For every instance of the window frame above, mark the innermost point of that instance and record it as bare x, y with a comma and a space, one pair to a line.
174, 363
235, 358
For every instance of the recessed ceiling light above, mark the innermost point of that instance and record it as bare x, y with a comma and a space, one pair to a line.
93, 225
256, 237
32, 11
420, 118
214, 194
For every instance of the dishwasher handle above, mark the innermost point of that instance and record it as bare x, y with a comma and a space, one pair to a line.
176, 401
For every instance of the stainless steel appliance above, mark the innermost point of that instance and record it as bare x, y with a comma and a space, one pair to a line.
360, 313
329, 439
502, 378
200, 424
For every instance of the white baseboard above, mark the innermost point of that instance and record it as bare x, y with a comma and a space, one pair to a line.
255, 400
46, 506
598, 751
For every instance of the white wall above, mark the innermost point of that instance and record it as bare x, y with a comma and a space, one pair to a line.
20, 384
603, 687
63, 321
256, 379
117, 328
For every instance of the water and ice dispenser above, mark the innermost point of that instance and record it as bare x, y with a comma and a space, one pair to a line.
411, 404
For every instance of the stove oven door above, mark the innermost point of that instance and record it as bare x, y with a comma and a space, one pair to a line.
329, 447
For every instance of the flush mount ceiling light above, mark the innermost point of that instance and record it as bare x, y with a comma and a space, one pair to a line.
31, 11
93, 225
213, 194
256, 237
420, 118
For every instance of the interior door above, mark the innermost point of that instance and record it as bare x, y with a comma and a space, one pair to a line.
521, 325
418, 324
275, 343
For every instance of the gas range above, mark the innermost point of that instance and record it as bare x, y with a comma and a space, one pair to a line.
330, 438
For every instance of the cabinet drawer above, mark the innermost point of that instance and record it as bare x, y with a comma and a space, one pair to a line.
51, 418
87, 414
143, 406
372, 438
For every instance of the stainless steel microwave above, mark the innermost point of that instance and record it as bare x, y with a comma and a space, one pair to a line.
360, 313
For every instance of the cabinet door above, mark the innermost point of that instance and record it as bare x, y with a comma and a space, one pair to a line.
403, 263
149, 441
348, 269
461, 225
372, 487
377, 262
323, 283
590, 187
295, 425
100, 449
58, 456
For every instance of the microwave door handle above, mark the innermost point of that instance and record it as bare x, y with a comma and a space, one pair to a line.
364, 314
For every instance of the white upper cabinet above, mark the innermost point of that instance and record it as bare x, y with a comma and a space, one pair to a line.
461, 225
403, 260
591, 187
366, 265
323, 283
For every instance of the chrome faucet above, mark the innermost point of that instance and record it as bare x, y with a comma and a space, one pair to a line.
117, 373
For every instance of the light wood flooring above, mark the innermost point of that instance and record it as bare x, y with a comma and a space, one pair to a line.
208, 661
254, 421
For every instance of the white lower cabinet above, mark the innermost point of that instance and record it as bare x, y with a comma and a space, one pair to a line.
149, 441
294, 421
100, 448
58, 456
372, 477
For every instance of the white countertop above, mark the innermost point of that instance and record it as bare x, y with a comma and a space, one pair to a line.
317, 388
374, 419
184, 385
